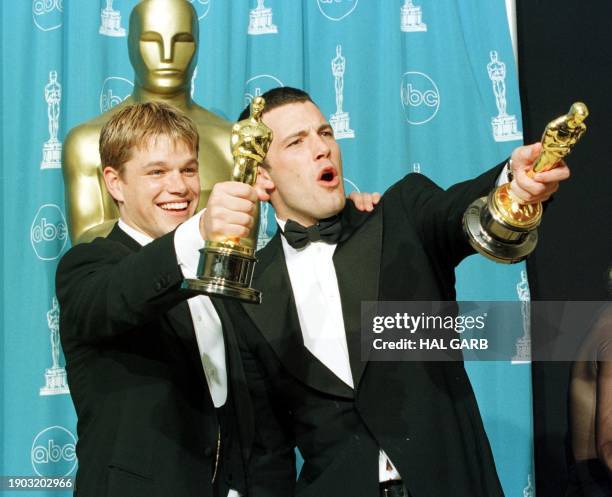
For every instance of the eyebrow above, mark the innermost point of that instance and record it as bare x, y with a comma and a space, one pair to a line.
161, 163
303, 132
158, 163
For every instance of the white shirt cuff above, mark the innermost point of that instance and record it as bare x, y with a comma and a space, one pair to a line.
502, 179
187, 244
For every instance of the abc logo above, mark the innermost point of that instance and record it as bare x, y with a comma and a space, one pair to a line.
258, 85
114, 91
336, 10
420, 97
201, 7
47, 14
49, 232
54, 452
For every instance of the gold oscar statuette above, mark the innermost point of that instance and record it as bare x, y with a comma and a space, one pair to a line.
226, 267
500, 226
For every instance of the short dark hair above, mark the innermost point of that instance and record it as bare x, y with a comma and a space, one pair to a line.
277, 97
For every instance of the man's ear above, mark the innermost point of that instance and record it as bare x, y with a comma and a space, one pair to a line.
264, 184
112, 180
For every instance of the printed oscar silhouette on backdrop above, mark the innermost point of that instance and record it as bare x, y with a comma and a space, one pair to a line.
523, 344
166, 76
529, 491
505, 127
52, 148
260, 20
55, 376
411, 18
339, 120
110, 21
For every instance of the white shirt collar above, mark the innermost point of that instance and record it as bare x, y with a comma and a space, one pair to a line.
139, 236
281, 223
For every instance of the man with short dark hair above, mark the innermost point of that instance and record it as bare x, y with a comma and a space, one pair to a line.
363, 428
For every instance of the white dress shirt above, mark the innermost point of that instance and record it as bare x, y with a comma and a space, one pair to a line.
317, 298
206, 322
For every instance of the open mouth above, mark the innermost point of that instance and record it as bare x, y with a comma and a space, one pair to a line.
328, 176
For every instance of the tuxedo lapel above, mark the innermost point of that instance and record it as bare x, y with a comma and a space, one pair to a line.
118, 235
182, 324
179, 316
357, 261
277, 320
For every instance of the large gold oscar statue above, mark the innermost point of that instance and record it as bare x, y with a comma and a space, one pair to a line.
162, 43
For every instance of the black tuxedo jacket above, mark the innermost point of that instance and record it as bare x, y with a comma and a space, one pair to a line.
424, 415
146, 422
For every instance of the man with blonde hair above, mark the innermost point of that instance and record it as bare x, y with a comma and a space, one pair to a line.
140, 351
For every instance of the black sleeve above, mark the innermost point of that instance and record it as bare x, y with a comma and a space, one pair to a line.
104, 289
437, 214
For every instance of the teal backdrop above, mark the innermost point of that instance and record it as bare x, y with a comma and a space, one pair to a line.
422, 85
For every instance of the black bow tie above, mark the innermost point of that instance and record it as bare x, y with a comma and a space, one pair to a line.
327, 230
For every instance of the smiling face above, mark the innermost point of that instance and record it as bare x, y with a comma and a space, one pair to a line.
158, 187
305, 164
162, 45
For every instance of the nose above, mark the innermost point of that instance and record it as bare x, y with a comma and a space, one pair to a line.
167, 46
321, 149
175, 183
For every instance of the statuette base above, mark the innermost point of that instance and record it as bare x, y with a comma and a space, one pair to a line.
226, 270
496, 241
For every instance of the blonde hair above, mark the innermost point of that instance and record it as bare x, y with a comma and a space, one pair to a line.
136, 124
